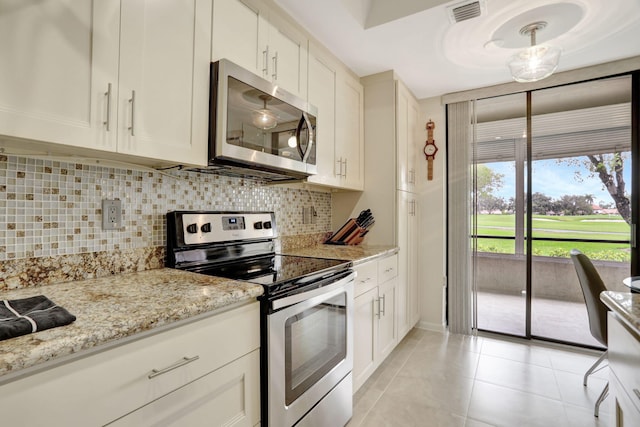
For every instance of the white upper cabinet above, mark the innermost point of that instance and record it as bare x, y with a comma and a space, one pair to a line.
340, 126
350, 132
322, 94
58, 61
407, 136
108, 76
259, 39
164, 79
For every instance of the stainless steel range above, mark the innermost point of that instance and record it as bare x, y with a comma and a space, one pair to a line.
307, 311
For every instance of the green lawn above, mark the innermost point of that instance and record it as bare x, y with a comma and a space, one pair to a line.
600, 227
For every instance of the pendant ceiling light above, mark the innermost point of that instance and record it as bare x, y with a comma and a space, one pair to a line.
264, 118
536, 62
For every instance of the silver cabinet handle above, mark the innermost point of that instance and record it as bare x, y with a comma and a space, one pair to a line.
132, 101
275, 67
339, 162
388, 270
107, 122
636, 392
378, 313
384, 303
345, 167
184, 361
365, 280
265, 61
412, 174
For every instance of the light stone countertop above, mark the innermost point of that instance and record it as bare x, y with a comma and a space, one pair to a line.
625, 305
359, 254
112, 308
116, 307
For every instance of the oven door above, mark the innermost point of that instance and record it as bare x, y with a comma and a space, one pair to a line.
310, 351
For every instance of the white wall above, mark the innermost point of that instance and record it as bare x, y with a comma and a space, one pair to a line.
432, 222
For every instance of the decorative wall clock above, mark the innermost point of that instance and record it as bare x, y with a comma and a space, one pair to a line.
430, 149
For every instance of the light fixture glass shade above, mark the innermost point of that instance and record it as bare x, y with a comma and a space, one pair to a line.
264, 119
534, 63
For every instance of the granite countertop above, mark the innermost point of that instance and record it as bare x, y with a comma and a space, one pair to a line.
111, 308
625, 305
116, 307
359, 254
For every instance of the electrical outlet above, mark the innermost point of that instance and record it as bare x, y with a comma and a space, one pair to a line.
309, 215
111, 214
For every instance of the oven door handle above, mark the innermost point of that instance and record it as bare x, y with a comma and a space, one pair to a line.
294, 299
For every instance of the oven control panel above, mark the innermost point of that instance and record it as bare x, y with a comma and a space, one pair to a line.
214, 227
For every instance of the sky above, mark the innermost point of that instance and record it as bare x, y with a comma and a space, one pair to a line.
558, 179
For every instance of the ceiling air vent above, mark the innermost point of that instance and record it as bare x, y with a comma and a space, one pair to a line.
466, 10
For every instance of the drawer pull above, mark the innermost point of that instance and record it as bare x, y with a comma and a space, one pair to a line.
184, 361
389, 270
365, 280
636, 392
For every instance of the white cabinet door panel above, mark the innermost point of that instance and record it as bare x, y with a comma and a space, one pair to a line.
164, 79
322, 94
58, 59
238, 34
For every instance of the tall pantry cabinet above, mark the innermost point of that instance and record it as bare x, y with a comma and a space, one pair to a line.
393, 133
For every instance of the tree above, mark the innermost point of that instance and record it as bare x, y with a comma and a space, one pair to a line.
541, 203
575, 205
609, 167
487, 182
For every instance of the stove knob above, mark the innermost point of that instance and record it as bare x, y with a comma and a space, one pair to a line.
206, 228
257, 225
192, 228
266, 224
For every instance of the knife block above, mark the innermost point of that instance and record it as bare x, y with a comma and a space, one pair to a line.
349, 234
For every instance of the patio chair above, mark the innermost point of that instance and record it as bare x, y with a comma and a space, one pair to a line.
592, 285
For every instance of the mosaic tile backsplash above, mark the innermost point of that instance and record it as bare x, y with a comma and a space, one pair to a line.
54, 208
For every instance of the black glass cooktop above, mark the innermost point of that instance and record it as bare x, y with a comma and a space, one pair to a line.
277, 273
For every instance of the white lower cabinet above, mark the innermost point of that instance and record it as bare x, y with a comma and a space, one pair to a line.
203, 370
229, 396
375, 322
624, 376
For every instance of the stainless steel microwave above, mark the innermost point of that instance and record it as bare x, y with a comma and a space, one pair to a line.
257, 129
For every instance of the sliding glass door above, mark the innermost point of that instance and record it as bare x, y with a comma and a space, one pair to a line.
552, 172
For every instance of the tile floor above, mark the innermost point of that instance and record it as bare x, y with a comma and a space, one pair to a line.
440, 379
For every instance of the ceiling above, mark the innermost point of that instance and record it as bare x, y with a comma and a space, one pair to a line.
433, 55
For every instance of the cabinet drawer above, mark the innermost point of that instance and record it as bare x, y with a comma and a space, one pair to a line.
366, 278
624, 357
229, 396
387, 268
104, 386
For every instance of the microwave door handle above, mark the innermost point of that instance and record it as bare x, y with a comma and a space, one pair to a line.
304, 154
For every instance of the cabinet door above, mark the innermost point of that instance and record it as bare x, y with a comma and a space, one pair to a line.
322, 94
623, 412
413, 142
387, 328
350, 132
229, 396
239, 32
407, 115
58, 60
164, 80
413, 296
365, 331
288, 56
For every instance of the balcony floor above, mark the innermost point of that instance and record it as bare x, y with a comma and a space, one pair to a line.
558, 320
